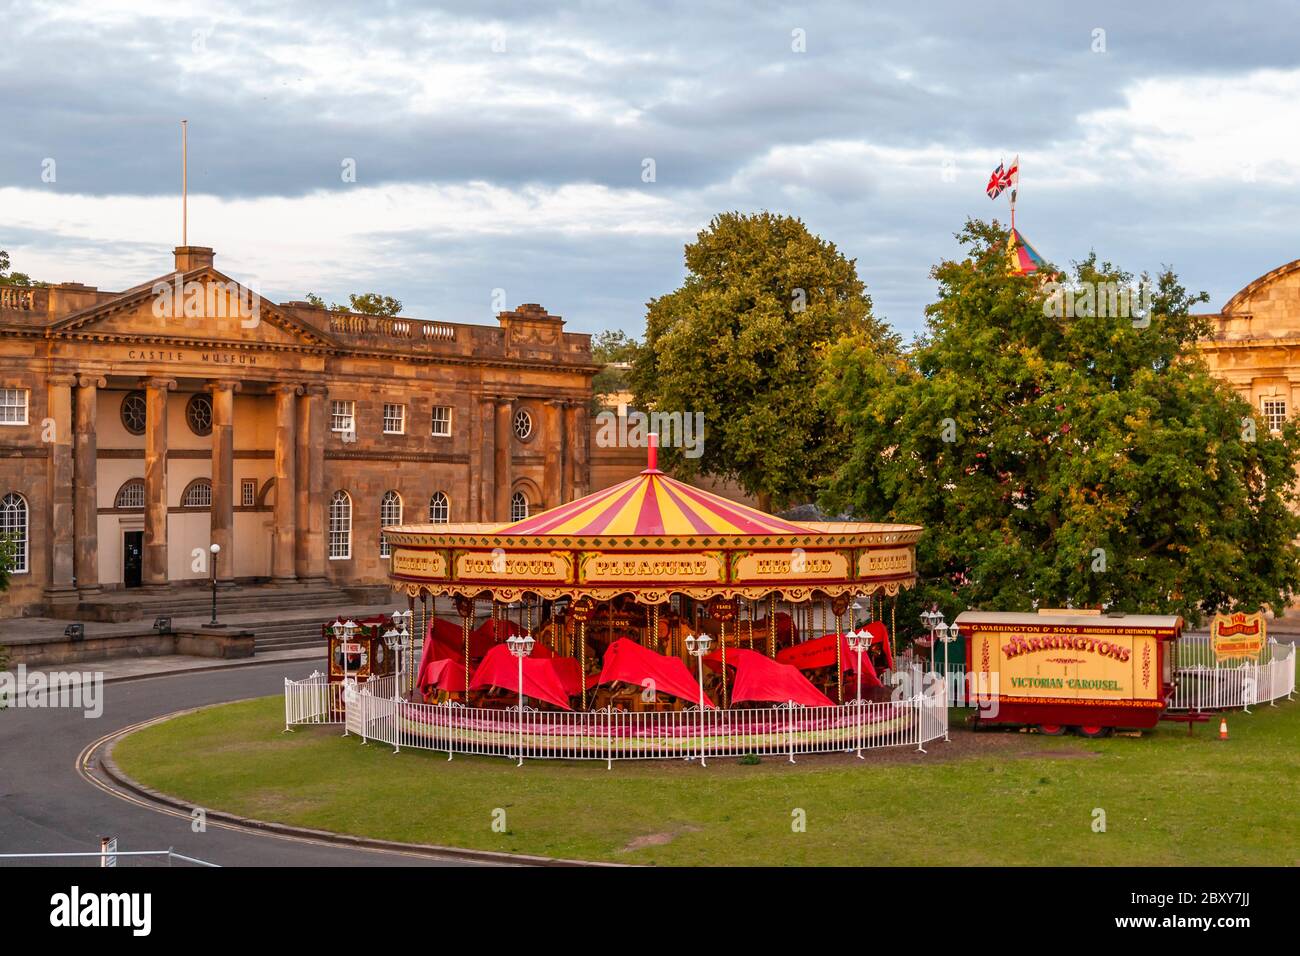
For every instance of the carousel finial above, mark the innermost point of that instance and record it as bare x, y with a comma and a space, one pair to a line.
652, 453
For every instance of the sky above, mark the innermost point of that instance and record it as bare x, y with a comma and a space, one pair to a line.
453, 155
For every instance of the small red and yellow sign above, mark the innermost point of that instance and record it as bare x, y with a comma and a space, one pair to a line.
1238, 635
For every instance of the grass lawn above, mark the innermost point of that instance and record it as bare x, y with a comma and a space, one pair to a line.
988, 798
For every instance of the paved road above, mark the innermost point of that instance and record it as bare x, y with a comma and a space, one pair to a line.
46, 807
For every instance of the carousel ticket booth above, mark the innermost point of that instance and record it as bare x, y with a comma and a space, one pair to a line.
357, 649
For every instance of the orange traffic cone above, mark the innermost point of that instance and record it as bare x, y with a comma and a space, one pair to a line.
1223, 728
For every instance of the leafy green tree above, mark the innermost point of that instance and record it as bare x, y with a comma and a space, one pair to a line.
366, 303
1055, 460
614, 350
742, 340
14, 278
6, 561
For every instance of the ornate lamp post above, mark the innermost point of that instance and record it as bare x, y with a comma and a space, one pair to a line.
394, 640
698, 645
216, 550
344, 631
520, 646
859, 641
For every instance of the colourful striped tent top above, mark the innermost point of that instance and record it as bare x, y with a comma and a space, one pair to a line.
652, 503
1023, 258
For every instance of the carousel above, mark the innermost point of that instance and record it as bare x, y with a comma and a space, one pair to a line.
652, 618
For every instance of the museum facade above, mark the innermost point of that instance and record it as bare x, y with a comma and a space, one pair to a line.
139, 428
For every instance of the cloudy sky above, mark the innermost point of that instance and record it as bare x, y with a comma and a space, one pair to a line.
505, 145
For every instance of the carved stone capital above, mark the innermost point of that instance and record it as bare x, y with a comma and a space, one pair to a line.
92, 381
169, 384
223, 384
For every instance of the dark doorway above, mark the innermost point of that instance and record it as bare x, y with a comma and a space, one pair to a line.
132, 558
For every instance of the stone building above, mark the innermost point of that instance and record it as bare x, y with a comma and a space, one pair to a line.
1255, 344
137, 428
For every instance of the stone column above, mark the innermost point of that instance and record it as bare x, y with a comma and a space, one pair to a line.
309, 553
553, 436
503, 442
223, 477
85, 491
154, 572
59, 586
284, 538
474, 473
579, 439
566, 452
486, 453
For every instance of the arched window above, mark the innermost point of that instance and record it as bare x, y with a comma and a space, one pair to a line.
13, 529
518, 506
130, 497
340, 526
197, 494
390, 513
439, 508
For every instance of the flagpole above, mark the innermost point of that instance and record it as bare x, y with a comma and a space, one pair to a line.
185, 185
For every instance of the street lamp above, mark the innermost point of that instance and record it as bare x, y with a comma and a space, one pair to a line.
343, 633
216, 550
859, 641
933, 621
402, 620
520, 646
698, 645
393, 638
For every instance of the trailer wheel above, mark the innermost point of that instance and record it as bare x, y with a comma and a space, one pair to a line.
1094, 732
1051, 730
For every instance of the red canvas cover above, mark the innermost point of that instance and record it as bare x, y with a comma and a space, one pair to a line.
445, 674
626, 660
568, 668
821, 653
880, 638
786, 631
759, 678
542, 679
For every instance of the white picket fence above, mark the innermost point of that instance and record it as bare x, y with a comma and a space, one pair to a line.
609, 735
1209, 687
312, 700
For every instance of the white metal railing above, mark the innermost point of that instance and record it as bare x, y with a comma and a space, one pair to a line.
1203, 686
312, 700
611, 735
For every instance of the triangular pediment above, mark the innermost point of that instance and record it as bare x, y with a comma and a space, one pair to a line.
201, 306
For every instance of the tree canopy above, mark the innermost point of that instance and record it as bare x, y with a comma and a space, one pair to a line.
14, 278
366, 303
742, 341
1065, 460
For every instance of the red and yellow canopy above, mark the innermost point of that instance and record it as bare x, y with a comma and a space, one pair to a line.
651, 537
652, 504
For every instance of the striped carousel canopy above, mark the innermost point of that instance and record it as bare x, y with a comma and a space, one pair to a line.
652, 503
1023, 259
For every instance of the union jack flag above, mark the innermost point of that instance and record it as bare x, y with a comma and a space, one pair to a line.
999, 181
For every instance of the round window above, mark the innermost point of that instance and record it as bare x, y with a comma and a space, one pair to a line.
198, 414
523, 425
135, 411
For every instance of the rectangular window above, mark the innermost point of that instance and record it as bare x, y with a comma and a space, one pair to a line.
248, 492
343, 417
442, 421
394, 419
13, 406
1274, 413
